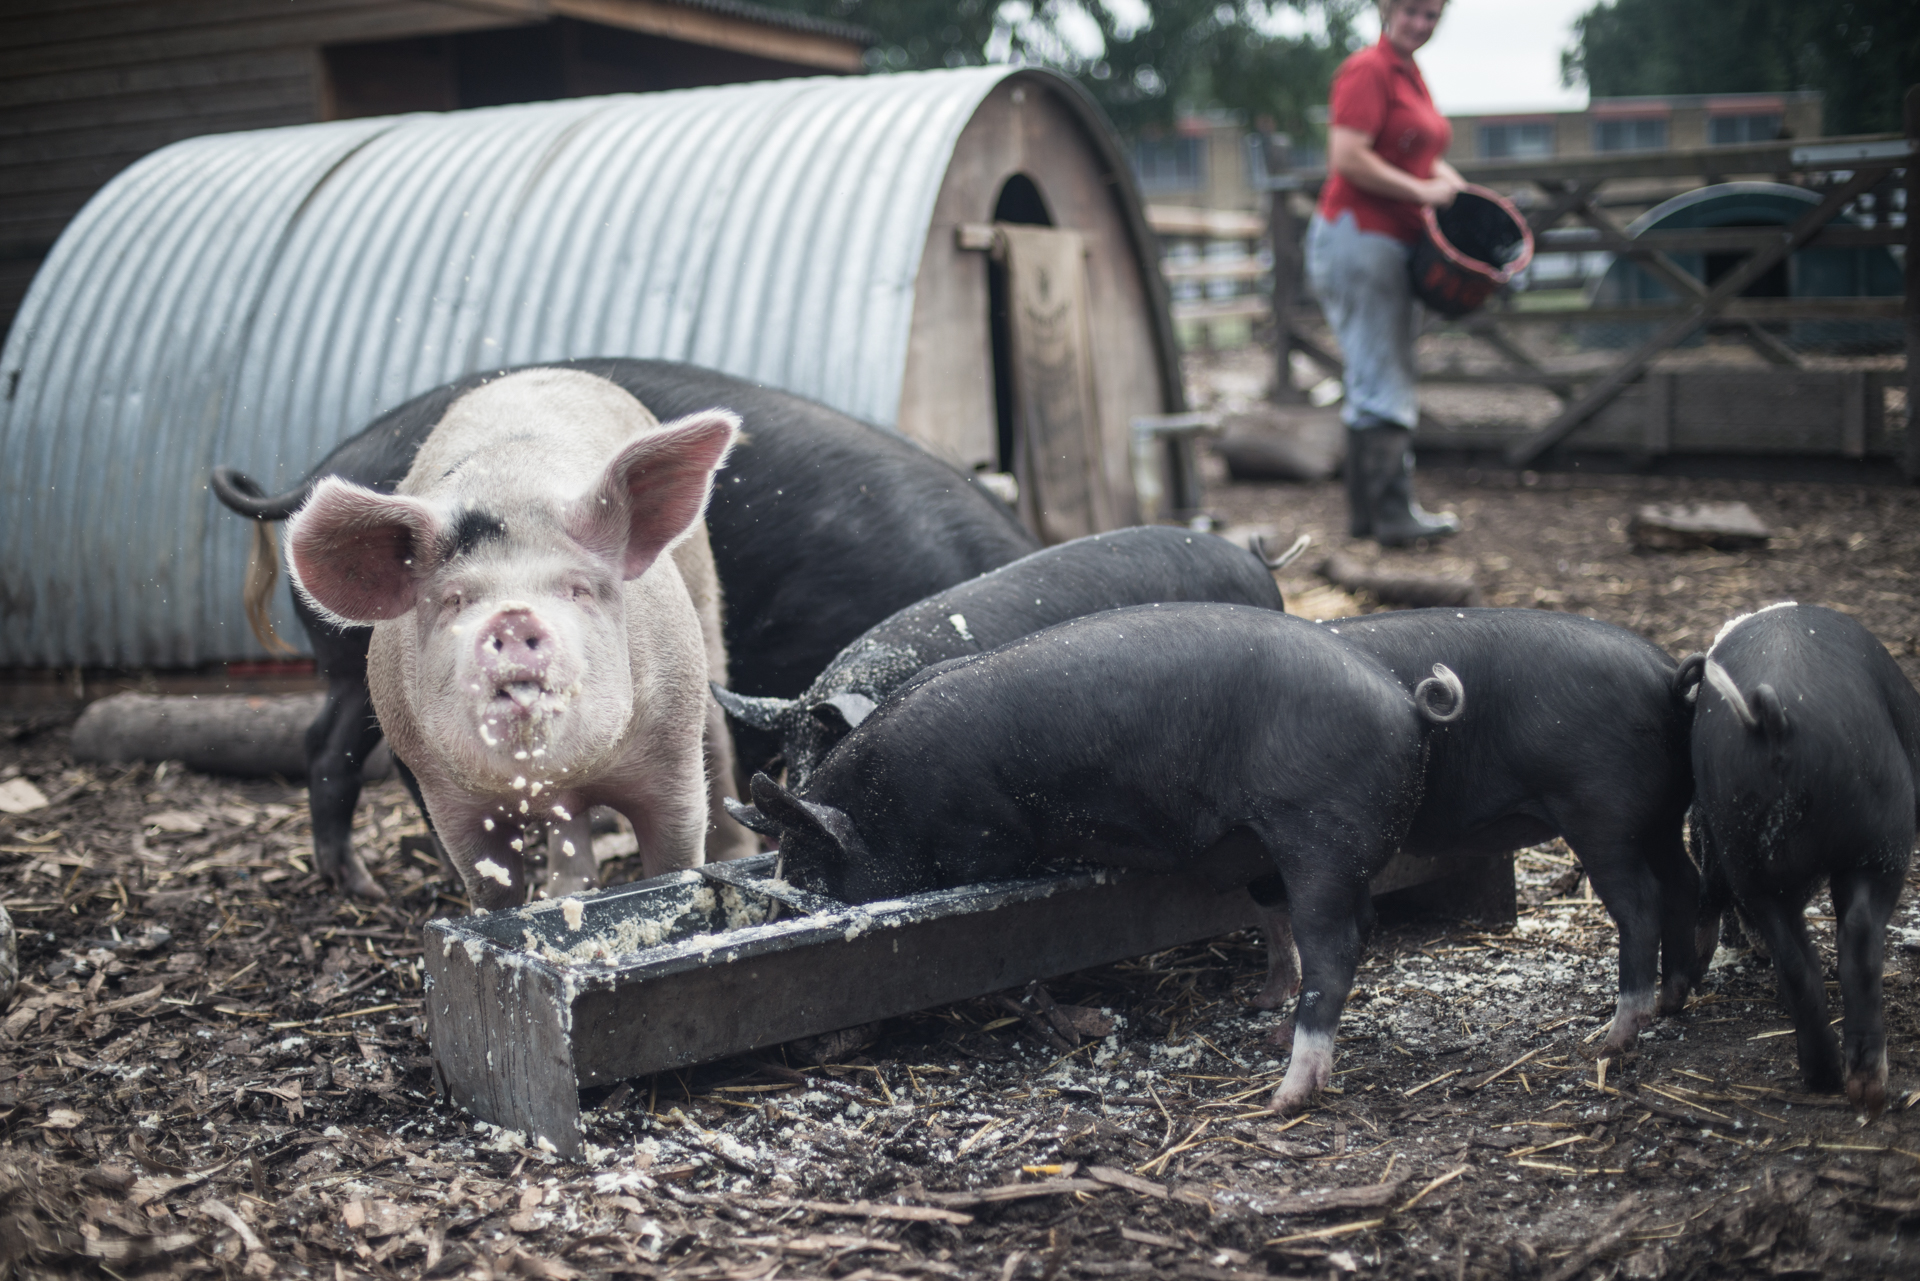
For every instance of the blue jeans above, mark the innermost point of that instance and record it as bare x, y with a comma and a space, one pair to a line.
1360, 278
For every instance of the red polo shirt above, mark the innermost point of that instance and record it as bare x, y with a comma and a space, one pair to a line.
1381, 93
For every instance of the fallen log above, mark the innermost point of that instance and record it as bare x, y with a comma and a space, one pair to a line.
1270, 444
1390, 588
249, 735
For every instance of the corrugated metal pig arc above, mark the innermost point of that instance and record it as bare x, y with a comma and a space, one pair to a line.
252, 299
135, 319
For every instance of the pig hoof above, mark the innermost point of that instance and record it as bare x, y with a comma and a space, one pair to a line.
1282, 1033
1673, 997
1294, 1095
1609, 1049
1616, 1048
353, 877
1867, 1091
1274, 995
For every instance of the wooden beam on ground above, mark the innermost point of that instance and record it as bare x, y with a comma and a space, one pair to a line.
1702, 310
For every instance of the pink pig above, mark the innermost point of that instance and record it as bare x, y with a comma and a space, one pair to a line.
534, 651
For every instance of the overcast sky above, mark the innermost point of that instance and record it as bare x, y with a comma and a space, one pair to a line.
1487, 55
1497, 55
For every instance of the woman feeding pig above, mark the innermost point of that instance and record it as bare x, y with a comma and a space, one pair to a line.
1384, 143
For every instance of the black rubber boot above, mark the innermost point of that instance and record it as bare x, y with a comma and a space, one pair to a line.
1396, 518
1359, 499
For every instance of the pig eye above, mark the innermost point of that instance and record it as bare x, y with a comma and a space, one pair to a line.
452, 601
582, 592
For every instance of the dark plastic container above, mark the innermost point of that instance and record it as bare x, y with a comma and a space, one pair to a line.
1473, 246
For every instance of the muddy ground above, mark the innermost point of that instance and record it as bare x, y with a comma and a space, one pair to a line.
216, 1066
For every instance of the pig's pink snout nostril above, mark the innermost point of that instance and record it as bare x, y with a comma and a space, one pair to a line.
514, 648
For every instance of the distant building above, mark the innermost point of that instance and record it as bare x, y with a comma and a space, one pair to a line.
91, 89
1674, 122
1208, 160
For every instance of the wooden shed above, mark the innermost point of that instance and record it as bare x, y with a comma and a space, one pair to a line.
959, 255
88, 87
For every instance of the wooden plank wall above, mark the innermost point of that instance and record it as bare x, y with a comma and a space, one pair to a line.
87, 87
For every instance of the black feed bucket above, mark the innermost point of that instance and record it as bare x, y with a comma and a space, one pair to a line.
1473, 246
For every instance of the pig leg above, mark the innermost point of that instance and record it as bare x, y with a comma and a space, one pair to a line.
725, 838
1283, 961
570, 865
1803, 987
1330, 916
338, 743
1716, 895
493, 870
1681, 967
448, 872
1862, 905
1633, 898
669, 822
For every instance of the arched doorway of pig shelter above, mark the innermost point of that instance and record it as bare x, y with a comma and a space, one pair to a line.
1047, 419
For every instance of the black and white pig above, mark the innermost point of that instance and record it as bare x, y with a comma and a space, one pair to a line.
1241, 745
1577, 729
820, 526
536, 647
1806, 762
1138, 566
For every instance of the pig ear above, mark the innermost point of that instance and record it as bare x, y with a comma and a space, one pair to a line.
792, 814
843, 713
360, 555
654, 490
751, 818
769, 714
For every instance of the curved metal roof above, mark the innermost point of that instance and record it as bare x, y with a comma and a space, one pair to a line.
255, 298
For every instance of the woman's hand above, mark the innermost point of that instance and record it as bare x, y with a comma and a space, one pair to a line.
1439, 192
1445, 184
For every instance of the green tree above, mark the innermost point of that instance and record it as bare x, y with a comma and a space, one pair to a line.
1862, 54
1187, 54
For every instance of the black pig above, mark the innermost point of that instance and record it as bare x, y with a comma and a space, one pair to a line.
1237, 744
1806, 751
1138, 566
1578, 729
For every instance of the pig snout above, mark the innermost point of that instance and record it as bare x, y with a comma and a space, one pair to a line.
514, 650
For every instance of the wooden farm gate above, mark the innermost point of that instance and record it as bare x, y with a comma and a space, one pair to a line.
1629, 407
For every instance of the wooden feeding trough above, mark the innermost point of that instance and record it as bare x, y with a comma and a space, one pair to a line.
527, 1007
